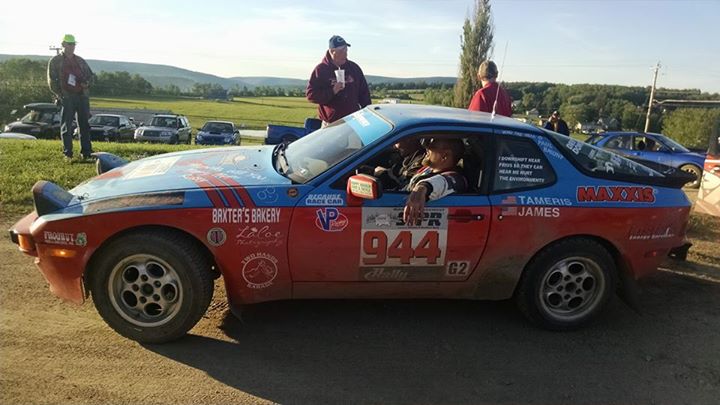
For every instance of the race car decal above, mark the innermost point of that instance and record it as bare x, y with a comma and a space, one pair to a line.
324, 200
392, 250
64, 238
259, 236
246, 215
259, 270
530, 200
457, 269
651, 232
542, 212
153, 167
330, 220
616, 194
216, 236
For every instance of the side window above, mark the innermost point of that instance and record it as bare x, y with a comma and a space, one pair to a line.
520, 165
184, 122
619, 142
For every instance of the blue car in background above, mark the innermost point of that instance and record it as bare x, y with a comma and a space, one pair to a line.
218, 133
654, 148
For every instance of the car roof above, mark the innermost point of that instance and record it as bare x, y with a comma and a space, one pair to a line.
167, 115
41, 106
405, 115
220, 122
108, 115
613, 133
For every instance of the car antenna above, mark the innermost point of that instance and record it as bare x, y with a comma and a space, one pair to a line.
502, 68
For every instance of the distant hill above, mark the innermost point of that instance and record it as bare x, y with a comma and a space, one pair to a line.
164, 75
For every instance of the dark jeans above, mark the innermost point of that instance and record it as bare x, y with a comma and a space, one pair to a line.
75, 104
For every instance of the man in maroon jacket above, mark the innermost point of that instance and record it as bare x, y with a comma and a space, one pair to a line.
491, 96
337, 85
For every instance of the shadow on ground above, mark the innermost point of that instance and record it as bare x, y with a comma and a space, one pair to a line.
468, 352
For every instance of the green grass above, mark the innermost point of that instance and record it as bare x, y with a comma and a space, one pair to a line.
23, 163
247, 112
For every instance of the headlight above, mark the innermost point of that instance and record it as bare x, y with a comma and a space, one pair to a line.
7, 128
139, 132
199, 137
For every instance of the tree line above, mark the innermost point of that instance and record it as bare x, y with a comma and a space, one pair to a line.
23, 81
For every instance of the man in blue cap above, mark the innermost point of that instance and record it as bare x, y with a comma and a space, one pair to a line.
69, 79
337, 85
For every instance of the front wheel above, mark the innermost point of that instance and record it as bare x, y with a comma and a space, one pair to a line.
151, 287
694, 170
567, 284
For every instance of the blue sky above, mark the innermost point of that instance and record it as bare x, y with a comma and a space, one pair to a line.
570, 41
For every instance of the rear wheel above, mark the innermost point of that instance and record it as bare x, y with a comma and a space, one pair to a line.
173, 140
151, 287
566, 285
692, 169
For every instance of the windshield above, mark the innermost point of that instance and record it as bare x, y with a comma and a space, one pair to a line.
105, 120
38, 116
168, 122
313, 154
217, 127
593, 140
676, 147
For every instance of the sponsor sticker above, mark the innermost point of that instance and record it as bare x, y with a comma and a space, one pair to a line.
651, 233
216, 236
258, 236
245, 215
324, 199
616, 194
330, 220
543, 212
65, 238
153, 167
259, 270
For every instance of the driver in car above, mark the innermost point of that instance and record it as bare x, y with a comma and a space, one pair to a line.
399, 174
440, 177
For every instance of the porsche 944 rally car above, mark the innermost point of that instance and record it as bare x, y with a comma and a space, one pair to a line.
547, 220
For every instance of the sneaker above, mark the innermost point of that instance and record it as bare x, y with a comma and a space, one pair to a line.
68, 158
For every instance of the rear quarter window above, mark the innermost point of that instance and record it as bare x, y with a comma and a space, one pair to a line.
599, 162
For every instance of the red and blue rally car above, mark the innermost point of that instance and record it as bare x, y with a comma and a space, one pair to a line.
552, 222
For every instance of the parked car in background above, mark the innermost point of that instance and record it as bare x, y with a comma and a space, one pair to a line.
41, 121
284, 134
218, 133
16, 135
554, 223
652, 147
110, 128
165, 128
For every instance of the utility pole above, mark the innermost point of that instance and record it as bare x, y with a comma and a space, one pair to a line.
652, 95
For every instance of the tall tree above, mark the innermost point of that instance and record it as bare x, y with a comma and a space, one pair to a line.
476, 45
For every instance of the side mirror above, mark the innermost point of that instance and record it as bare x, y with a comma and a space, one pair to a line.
362, 187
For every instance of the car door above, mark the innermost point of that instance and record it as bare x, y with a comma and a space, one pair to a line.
124, 131
332, 241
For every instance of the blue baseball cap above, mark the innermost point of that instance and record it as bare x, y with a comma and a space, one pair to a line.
336, 41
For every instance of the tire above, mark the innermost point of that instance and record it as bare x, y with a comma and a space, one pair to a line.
567, 284
189, 140
173, 140
690, 168
151, 287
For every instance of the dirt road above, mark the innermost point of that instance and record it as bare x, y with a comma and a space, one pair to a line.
407, 352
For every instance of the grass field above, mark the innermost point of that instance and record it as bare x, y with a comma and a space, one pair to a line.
247, 112
22, 163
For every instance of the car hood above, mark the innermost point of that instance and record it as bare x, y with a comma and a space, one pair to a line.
158, 128
103, 127
20, 124
214, 133
182, 171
